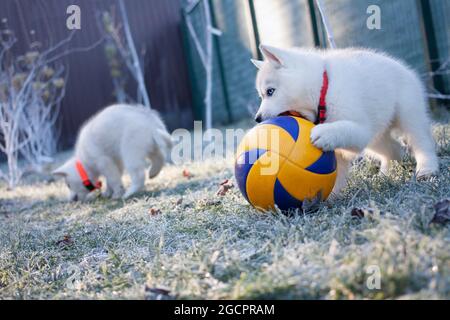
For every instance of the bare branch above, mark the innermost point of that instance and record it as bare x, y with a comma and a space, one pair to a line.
136, 65
73, 50
31, 90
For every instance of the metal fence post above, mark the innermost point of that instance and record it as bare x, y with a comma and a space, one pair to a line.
314, 25
197, 103
223, 79
430, 43
256, 53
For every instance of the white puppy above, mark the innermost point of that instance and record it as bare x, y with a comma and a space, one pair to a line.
369, 95
118, 138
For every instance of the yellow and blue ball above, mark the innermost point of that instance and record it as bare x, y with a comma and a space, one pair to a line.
277, 165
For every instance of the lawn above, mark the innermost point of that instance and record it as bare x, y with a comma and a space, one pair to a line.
180, 240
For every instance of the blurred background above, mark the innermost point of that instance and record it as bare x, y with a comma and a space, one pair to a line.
183, 45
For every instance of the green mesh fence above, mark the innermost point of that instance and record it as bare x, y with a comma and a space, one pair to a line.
440, 11
234, 95
235, 47
197, 73
400, 34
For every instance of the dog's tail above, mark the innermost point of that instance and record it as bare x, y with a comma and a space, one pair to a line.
157, 164
163, 141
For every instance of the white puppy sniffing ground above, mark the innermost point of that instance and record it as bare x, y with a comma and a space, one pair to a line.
369, 95
120, 138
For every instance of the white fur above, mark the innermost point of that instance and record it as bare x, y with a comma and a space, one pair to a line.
119, 138
369, 95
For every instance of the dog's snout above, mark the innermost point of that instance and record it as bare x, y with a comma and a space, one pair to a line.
258, 118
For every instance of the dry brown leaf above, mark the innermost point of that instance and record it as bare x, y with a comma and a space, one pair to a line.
357, 213
225, 186
158, 293
187, 174
442, 212
157, 290
208, 202
154, 211
65, 241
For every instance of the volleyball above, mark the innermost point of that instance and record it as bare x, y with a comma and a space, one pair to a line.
277, 166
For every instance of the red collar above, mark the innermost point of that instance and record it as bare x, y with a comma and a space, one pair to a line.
322, 108
84, 177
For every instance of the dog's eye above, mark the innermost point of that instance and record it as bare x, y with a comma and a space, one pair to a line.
270, 92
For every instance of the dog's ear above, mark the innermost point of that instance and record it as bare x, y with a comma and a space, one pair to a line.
258, 63
274, 55
59, 172
62, 171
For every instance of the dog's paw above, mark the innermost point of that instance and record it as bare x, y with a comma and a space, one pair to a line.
117, 193
323, 138
426, 174
132, 191
427, 167
128, 194
107, 193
